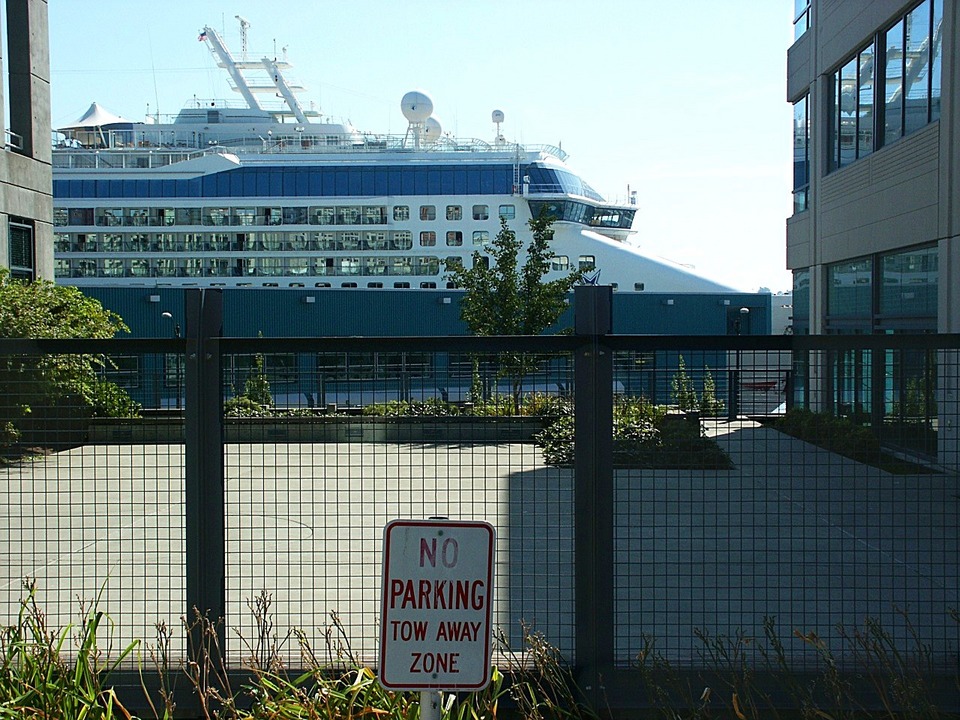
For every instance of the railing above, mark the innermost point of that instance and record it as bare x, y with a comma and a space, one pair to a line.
13, 141
602, 544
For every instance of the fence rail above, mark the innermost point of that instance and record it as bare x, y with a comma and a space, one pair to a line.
634, 533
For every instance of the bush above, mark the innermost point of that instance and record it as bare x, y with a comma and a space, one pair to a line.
838, 435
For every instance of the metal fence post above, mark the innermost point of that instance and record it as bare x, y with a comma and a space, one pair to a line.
203, 462
593, 491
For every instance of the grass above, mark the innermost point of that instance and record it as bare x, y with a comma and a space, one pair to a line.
66, 674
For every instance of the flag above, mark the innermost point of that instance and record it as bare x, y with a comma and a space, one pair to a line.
203, 36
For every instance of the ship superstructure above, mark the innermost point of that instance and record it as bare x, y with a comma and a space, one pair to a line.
250, 195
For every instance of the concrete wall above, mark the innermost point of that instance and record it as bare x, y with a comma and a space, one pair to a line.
26, 188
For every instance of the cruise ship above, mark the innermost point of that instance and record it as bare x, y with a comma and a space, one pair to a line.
272, 194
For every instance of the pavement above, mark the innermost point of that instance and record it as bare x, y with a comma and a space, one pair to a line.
792, 532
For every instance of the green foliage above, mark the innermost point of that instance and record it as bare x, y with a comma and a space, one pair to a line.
710, 404
431, 407
43, 676
838, 435
504, 297
683, 392
644, 436
41, 395
256, 388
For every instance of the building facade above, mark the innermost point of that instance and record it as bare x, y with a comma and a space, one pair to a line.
26, 195
873, 240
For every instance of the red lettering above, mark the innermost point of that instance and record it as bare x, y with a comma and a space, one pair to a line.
477, 595
428, 552
396, 590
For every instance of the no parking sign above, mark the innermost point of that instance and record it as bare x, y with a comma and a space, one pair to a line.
436, 605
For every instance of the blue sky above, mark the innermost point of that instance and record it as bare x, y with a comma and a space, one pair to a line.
682, 101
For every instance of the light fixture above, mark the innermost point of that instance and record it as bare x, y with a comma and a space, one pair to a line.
153, 298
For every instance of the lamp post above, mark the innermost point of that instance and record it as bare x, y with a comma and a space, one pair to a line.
735, 384
166, 315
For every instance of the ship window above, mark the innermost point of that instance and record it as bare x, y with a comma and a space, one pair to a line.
428, 212
216, 216
245, 216
401, 284
402, 240
481, 212
451, 285
402, 266
428, 285
350, 240
375, 266
110, 217
638, 287
481, 237
322, 284
137, 242
61, 242
272, 215
188, 216
81, 216
508, 211
323, 215
374, 284
481, 261
560, 262
348, 284
298, 266
454, 263
454, 238
60, 217
428, 238
139, 267
454, 212
401, 212
374, 215
194, 267
294, 216
427, 266
588, 262
112, 242
348, 216
374, 241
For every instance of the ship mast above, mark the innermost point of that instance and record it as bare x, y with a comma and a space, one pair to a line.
274, 69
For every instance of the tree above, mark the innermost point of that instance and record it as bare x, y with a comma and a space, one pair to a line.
504, 297
38, 392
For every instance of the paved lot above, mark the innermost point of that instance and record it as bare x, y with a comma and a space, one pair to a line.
792, 532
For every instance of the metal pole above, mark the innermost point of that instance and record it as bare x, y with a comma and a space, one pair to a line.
429, 705
593, 492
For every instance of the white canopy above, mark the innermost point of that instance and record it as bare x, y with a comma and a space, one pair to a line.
96, 117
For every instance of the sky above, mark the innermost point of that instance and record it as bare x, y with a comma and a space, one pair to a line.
682, 102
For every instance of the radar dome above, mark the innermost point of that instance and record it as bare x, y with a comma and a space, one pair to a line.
497, 116
432, 129
416, 106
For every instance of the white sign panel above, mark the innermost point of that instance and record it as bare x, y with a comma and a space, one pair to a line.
436, 605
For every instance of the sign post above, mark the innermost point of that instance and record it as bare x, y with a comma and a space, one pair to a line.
436, 606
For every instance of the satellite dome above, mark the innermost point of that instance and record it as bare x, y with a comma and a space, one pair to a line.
432, 129
497, 116
416, 106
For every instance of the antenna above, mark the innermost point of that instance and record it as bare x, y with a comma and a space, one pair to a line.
497, 117
244, 26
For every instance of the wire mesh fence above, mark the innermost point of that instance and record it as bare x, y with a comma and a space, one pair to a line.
804, 487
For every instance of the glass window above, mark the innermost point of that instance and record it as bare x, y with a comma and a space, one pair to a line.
849, 291
893, 84
21, 249
638, 287
323, 216
454, 238
376, 240
428, 238
401, 240
481, 237
401, 212
587, 262
801, 154
139, 267
428, 212
801, 17
374, 215
560, 262
936, 60
508, 211
349, 241
801, 302
454, 212
910, 283
294, 215
188, 216
348, 216
917, 68
481, 212
846, 130
60, 217
865, 103
61, 242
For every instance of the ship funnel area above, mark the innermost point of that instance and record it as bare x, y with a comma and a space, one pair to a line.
423, 129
